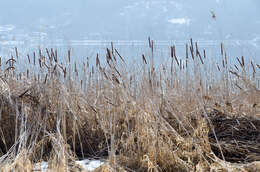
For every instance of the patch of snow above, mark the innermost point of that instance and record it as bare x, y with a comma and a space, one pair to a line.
90, 164
181, 21
86, 164
42, 166
12, 42
6, 28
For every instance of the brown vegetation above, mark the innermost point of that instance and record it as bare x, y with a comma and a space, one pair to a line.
190, 115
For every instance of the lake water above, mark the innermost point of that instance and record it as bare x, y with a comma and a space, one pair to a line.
132, 49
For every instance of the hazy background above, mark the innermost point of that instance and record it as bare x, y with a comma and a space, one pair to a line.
31, 22
133, 19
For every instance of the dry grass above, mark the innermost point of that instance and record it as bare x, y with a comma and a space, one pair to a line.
192, 114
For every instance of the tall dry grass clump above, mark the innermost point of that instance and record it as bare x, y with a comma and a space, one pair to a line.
191, 114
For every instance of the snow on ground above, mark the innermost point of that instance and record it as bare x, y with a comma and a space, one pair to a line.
90, 164
86, 164
43, 166
6, 28
180, 21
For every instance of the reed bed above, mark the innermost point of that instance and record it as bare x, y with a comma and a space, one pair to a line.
194, 113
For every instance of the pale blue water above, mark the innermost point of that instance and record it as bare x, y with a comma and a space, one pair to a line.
133, 49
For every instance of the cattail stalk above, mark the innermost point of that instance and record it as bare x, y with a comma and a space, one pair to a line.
119, 55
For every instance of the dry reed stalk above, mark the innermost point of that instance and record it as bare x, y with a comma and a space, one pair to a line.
197, 48
243, 61
234, 73
114, 57
201, 60
20, 76
90, 76
75, 69
239, 62
112, 47
52, 54
180, 64
55, 55
65, 72
10, 68
108, 56
54, 68
114, 78
85, 66
174, 55
226, 59
27, 73
45, 79
192, 53
69, 55
46, 65
187, 51
149, 42
97, 61
81, 83
222, 49
117, 72
40, 62
40, 52
177, 61
62, 68
88, 64
106, 76
34, 58
16, 52
172, 67
218, 67
187, 55
48, 53
191, 45
10, 61
253, 67
93, 70
28, 57
236, 67
119, 55
144, 60
152, 47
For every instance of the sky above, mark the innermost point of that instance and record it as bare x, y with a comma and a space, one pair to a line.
130, 19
